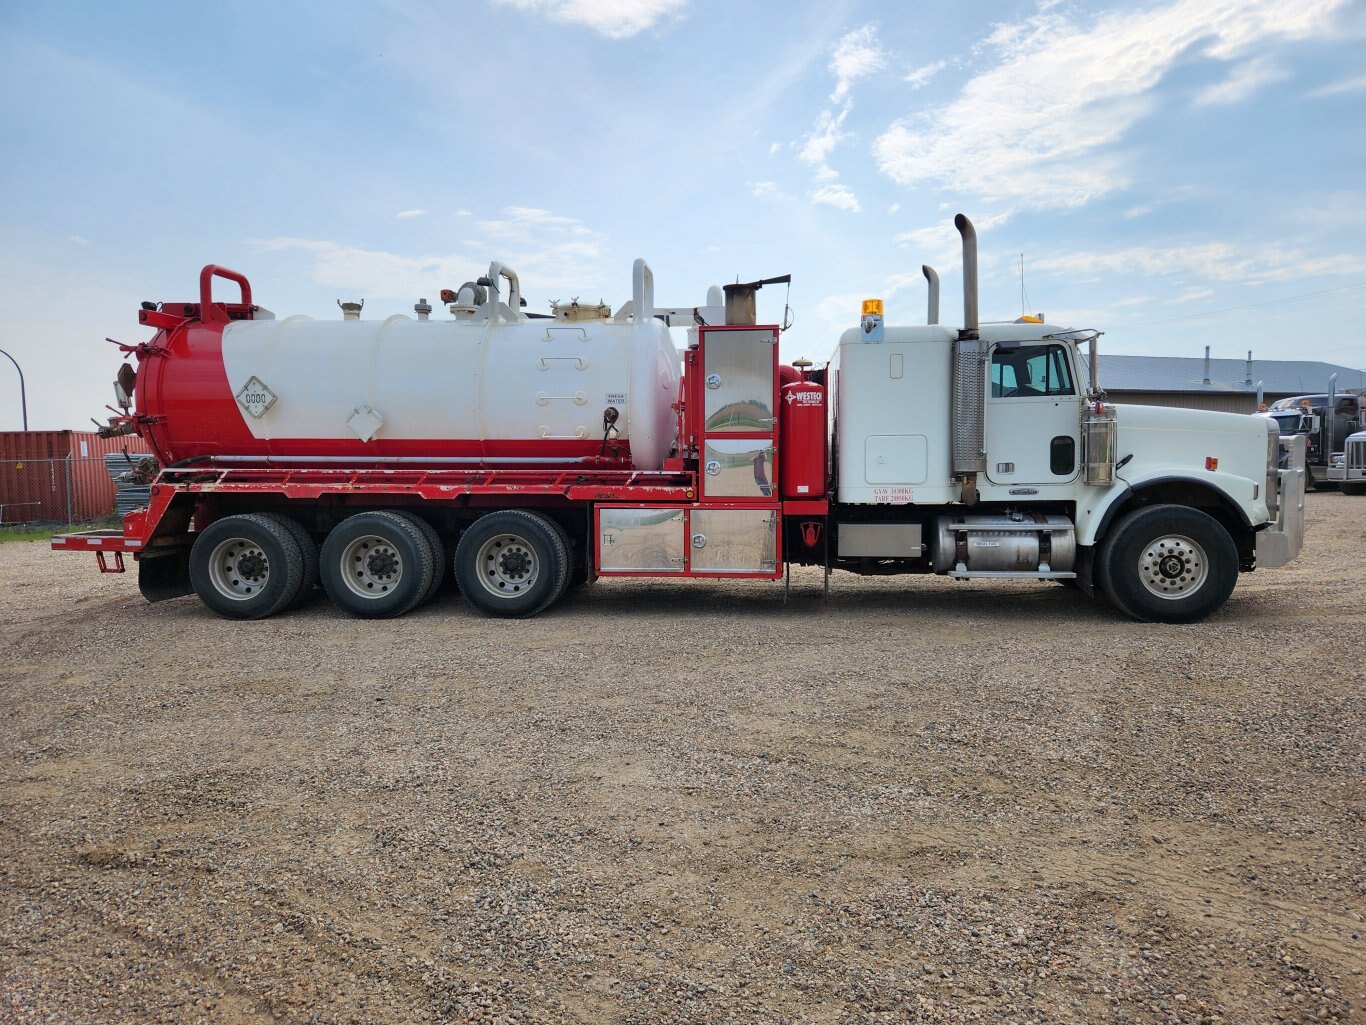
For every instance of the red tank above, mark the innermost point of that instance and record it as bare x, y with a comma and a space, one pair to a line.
802, 434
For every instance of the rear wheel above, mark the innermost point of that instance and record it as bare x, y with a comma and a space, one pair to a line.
1167, 564
438, 555
377, 564
512, 563
247, 566
308, 551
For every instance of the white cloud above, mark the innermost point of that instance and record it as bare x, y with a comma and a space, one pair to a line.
1040, 126
463, 213
615, 19
547, 251
775, 148
371, 273
856, 55
1348, 85
1242, 82
1191, 294
405, 214
1212, 261
920, 76
894, 208
767, 190
836, 196
818, 146
79, 240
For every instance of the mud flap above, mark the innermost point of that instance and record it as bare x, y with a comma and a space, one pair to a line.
165, 575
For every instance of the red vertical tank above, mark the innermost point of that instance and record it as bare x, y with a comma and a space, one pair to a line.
802, 436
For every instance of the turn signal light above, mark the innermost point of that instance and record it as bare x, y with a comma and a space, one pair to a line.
1211, 463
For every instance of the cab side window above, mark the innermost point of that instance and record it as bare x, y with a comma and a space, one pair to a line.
1030, 371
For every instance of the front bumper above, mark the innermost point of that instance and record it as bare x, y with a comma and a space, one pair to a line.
1280, 542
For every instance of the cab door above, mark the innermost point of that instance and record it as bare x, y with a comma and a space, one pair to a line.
1032, 414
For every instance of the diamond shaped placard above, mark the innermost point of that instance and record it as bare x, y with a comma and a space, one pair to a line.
366, 422
255, 397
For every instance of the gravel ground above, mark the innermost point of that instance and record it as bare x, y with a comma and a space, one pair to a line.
921, 801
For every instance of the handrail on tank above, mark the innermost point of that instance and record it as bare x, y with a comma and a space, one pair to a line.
207, 311
642, 290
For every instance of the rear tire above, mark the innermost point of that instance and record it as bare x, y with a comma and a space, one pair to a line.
1352, 488
1167, 564
512, 563
308, 551
377, 564
246, 566
438, 555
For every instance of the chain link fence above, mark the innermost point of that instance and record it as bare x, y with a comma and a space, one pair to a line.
43, 493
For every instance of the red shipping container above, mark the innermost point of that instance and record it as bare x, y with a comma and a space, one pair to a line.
59, 476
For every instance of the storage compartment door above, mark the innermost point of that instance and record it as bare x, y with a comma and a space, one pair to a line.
724, 542
739, 376
641, 542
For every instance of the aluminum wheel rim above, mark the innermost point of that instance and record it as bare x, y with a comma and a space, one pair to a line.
371, 566
1173, 566
239, 568
508, 566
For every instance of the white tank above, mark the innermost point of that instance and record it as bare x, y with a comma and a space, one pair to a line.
491, 384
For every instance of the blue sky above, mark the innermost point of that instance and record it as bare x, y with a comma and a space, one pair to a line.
1177, 173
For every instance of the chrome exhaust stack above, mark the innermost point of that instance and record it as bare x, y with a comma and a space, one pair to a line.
967, 400
969, 234
932, 276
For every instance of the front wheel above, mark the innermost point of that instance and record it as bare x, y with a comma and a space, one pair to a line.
1167, 564
1352, 488
511, 563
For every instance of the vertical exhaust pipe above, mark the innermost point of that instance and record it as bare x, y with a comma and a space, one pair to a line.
1206, 381
969, 234
1248, 378
1330, 416
967, 442
933, 278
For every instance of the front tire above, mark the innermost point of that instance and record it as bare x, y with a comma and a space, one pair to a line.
377, 565
1352, 488
1167, 564
246, 567
511, 563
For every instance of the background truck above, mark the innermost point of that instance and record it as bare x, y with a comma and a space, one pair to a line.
1347, 469
532, 452
1325, 420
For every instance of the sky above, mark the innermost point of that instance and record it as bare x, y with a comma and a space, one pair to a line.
1175, 173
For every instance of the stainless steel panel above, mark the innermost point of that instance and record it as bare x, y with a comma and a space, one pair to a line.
968, 442
738, 468
738, 379
880, 540
733, 541
641, 540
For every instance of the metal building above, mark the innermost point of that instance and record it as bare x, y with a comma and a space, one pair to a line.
1225, 385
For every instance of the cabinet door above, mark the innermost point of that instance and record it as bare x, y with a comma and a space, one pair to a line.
739, 374
725, 541
642, 541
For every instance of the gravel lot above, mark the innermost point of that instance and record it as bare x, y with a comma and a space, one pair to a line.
922, 801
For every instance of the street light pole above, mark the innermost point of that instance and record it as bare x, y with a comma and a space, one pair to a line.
23, 398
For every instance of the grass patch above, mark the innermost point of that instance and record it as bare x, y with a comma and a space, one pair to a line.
38, 532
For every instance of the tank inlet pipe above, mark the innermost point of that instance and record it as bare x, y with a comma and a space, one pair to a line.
642, 290
514, 303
